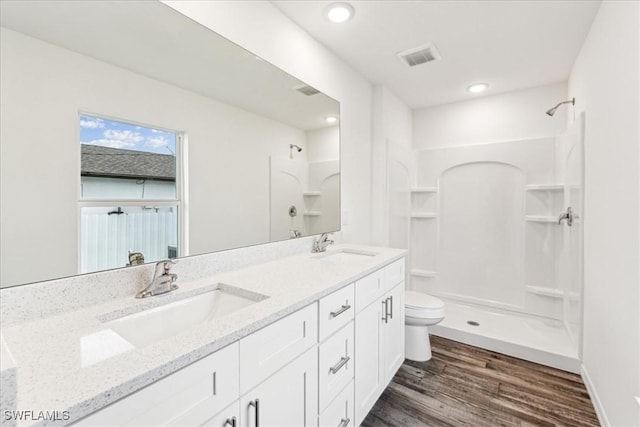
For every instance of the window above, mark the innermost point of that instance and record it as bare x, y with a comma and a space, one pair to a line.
129, 193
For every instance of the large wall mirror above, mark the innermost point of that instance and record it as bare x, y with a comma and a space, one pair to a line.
128, 127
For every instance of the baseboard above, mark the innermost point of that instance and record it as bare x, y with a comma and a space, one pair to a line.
597, 405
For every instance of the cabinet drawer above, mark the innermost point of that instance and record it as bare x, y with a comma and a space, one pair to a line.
336, 310
335, 364
269, 349
188, 397
393, 274
340, 412
369, 289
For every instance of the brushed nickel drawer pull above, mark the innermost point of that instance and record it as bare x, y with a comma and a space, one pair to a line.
344, 422
342, 310
386, 311
390, 306
232, 422
343, 361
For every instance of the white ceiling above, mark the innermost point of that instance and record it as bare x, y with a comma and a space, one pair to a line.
509, 44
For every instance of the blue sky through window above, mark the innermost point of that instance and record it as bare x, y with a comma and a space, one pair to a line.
110, 133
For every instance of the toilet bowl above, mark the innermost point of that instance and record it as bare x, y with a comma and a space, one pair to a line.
421, 310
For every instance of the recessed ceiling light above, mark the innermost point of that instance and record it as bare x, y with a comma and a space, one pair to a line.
330, 119
477, 87
339, 12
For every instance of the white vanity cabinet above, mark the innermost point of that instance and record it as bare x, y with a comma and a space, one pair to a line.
323, 365
379, 331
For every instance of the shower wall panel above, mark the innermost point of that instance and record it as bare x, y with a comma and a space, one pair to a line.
483, 237
481, 232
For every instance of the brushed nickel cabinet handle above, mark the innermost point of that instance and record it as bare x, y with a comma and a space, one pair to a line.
256, 404
385, 310
390, 305
344, 422
339, 312
343, 361
230, 421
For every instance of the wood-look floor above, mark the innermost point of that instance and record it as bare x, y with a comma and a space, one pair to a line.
464, 385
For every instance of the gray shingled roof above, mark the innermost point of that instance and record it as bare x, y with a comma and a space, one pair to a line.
119, 163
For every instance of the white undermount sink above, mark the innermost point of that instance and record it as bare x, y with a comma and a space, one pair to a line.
154, 324
346, 255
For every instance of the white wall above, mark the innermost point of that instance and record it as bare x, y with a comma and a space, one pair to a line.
41, 95
323, 144
605, 83
507, 117
262, 29
391, 127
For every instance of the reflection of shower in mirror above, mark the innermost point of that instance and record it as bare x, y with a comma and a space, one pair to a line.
291, 146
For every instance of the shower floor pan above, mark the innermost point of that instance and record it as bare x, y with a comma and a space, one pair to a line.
538, 340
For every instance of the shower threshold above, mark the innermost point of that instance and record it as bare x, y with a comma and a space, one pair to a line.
538, 340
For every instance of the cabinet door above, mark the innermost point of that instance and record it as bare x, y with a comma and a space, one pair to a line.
369, 374
393, 332
288, 398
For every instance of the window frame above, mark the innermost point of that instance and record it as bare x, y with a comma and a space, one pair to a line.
181, 184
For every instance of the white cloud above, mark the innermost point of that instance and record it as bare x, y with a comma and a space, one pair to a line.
158, 142
92, 123
112, 143
124, 136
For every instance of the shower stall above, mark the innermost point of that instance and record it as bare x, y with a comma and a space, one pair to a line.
495, 231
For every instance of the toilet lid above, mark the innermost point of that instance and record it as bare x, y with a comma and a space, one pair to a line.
419, 300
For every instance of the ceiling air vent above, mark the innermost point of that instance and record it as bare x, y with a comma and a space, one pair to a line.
419, 55
307, 90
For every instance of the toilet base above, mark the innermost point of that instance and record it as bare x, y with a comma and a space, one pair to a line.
416, 345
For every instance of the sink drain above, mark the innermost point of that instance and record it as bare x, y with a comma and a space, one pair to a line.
473, 323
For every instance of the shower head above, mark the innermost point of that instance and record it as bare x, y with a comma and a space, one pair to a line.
552, 111
294, 145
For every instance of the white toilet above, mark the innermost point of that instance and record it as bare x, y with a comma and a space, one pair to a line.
421, 310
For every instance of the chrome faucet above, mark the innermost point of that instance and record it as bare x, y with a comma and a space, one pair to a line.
320, 245
163, 280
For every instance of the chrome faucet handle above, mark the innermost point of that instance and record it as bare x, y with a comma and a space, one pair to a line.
163, 280
166, 265
320, 245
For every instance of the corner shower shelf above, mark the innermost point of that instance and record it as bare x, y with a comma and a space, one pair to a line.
311, 193
424, 215
541, 218
424, 189
545, 187
544, 291
312, 213
422, 273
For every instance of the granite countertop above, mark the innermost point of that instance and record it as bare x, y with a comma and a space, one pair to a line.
74, 362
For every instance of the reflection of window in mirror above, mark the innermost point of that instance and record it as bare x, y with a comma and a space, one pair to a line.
129, 192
